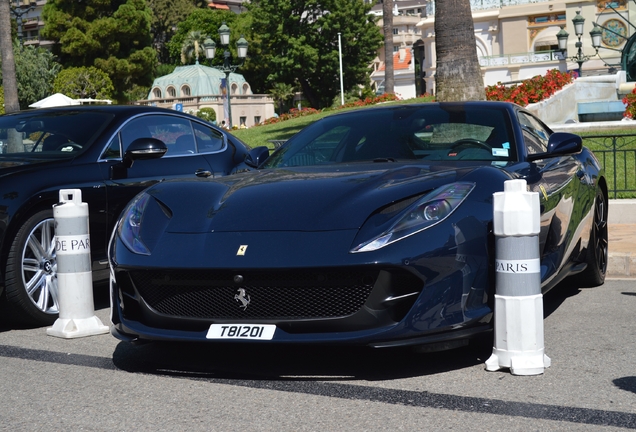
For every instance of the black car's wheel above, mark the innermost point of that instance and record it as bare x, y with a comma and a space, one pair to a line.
597, 250
31, 276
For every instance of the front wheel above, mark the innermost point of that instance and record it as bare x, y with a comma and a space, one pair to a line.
597, 248
31, 272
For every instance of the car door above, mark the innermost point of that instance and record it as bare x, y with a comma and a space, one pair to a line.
182, 159
556, 181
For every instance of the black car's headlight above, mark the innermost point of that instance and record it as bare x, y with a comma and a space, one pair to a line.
425, 213
130, 224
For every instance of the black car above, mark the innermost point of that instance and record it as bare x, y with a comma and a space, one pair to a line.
369, 227
111, 153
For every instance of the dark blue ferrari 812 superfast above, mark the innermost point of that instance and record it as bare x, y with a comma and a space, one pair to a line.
370, 227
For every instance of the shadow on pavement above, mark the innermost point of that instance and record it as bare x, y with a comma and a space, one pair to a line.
558, 295
626, 383
305, 363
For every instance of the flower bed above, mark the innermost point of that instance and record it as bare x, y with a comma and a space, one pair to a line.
630, 105
531, 90
293, 113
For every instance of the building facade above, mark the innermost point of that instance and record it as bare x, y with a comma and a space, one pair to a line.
516, 39
190, 88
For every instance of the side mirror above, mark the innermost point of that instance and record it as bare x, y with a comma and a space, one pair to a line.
256, 156
144, 148
560, 144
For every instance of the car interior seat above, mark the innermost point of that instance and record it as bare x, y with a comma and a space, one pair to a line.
53, 142
385, 145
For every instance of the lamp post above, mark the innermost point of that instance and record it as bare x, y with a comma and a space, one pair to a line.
21, 7
228, 67
562, 38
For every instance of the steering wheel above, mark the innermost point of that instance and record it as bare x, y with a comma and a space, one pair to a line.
75, 147
470, 142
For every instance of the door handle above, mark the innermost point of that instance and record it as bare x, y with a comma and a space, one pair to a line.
202, 173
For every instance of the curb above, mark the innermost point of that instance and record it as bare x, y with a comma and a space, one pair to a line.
621, 261
621, 265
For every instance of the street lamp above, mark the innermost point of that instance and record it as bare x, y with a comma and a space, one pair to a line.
562, 38
210, 50
21, 7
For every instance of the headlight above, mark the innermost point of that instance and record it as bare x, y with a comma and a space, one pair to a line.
425, 213
130, 224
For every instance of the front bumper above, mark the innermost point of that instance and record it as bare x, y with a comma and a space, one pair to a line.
385, 298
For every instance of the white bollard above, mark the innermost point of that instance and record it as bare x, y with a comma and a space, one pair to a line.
74, 276
518, 339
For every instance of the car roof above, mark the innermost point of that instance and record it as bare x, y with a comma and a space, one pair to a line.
117, 110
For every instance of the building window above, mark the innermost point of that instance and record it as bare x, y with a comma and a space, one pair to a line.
172, 92
156, 93
233, 89
185, 90
395, 30
396, 48
257, 120
246, 88
242, 121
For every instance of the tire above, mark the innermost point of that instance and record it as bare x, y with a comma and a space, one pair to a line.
31, 272
597, 249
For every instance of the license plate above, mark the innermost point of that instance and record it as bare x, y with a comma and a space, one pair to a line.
241, 331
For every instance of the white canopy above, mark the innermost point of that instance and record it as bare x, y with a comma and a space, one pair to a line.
58, 99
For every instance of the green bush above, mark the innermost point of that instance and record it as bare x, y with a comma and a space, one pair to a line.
207, 114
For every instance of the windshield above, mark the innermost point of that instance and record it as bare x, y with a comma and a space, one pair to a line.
51, 133
432, 132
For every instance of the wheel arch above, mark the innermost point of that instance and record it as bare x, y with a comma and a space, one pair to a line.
35, 204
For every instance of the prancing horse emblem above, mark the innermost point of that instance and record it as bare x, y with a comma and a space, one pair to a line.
243, 298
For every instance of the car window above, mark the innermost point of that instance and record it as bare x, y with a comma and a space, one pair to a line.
175, 132
322, 146
51, 134
432, 132
208, 139
113, 151
534, 133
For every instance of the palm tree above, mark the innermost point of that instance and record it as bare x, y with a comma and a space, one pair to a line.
281, 93
387, 25
11, 103
458, 75
192, 46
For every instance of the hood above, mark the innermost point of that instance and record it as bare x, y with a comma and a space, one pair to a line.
298, 199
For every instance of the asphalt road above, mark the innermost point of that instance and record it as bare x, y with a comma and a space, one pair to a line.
100, 384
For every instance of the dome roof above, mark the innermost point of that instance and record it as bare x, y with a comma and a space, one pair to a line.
202, 81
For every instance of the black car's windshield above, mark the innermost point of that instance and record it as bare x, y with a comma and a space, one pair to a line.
50, 133
433, 132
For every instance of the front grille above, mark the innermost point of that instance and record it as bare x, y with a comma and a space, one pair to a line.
293, 294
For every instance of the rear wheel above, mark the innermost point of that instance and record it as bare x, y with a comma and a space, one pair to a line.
597, 249
31, 273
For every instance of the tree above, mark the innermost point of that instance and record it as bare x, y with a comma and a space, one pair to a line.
281, 92
10, 85
113, 36
36, 70
457, 76
297, 42
387, 26
193, 46
205, 22
166, 17
84, 82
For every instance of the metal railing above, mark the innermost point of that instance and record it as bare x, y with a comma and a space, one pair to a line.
617, 154
520, 58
